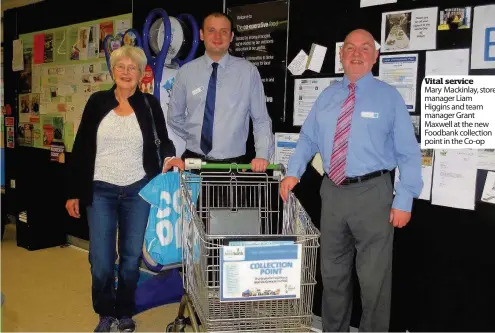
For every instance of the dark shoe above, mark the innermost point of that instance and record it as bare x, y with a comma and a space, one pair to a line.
106, 324
126, 324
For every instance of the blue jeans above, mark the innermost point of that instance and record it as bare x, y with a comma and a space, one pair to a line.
116, 206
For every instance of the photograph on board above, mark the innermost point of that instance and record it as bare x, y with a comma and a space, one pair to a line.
454, 18
26, 75
106, 28
25, 134
398, 30
35, 104
426, 157
48, 48
25, 104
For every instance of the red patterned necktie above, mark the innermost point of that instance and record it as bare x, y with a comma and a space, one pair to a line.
340, 141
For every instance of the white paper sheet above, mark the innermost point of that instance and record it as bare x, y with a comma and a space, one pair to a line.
317, 163
367, 3
483, 40
489, 189
94, 41
306, 91
36, 79
401, 71
427, 157
82, 42
298, 64
17, 56
454, 178
486, 159
285, 145
121, 26
316, 57
409, 30
447, 62
65, 90
338, 64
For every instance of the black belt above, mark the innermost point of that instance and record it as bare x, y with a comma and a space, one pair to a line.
360, 179
191, 154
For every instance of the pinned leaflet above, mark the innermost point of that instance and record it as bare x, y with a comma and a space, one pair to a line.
458, 112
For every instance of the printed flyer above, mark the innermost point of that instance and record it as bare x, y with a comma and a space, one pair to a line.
256, 273
261, 38
409, 30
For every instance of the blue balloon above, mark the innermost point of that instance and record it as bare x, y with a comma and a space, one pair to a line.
138, 41
195, 39
157, 63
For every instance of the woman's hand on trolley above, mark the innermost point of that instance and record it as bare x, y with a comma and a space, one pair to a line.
287, 185
72, 206
171, 162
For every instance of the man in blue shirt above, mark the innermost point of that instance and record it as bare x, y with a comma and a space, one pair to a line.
362, 129
213, 98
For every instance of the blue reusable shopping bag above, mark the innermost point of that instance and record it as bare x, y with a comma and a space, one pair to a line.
162, 240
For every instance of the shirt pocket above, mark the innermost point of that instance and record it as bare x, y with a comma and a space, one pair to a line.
379, 125
233, 91
195, 96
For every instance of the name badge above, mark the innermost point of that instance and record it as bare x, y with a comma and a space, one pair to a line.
370, 114
197, 91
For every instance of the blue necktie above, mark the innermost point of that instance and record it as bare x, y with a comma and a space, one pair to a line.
207, 130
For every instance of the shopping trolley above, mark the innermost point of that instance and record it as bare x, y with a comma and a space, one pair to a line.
240, 213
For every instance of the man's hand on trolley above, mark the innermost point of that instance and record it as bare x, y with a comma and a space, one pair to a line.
171, 162
259, 164
287, 185
72, 207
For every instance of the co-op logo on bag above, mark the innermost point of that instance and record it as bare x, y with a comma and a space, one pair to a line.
169, 221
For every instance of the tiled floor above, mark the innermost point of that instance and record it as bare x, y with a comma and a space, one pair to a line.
50, 291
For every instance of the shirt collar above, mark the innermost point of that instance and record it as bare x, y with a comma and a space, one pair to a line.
222, 62
362, 82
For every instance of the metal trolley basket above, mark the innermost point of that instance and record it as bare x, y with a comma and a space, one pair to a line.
234, 206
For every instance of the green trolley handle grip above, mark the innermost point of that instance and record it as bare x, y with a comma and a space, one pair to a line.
233, 166
229, 166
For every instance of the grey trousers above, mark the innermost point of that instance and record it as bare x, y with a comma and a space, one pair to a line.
355, 217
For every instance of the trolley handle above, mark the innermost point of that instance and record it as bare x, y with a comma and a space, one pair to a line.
236, 166
192, 163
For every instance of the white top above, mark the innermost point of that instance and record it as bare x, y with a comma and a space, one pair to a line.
119, 150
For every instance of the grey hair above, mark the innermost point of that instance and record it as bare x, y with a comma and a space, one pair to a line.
135, 53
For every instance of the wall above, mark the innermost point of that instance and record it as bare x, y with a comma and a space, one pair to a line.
32, 189
9, 4
40, 183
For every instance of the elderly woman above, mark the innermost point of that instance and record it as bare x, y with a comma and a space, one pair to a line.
113, 158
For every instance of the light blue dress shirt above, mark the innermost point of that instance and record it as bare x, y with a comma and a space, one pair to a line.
239, 96
381, 136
